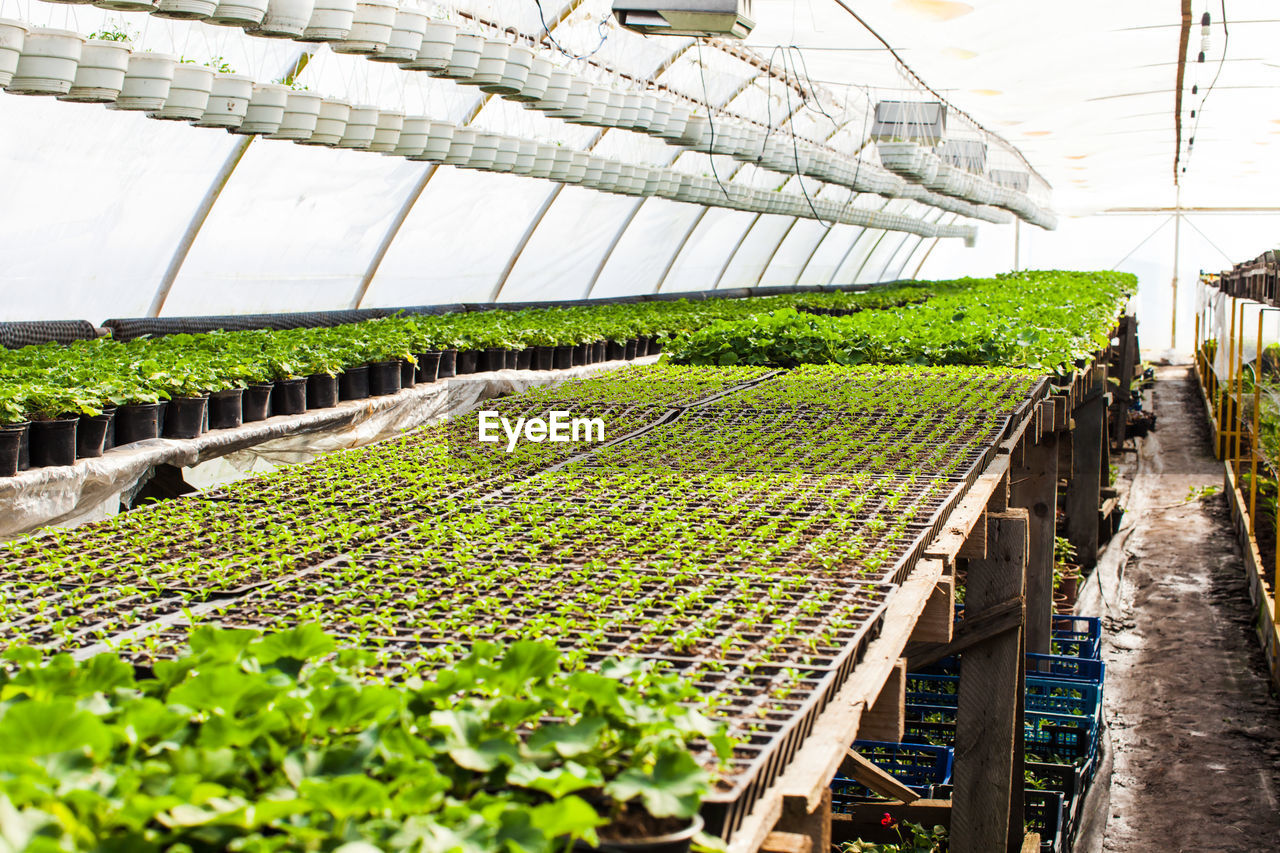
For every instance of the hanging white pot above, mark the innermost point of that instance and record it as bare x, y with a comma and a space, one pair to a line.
185, 10
492, 62
371, 32
485, 151
147, 82
561, 163
575, 101
578, 171
330, 21
100, 74
613, 110
361, 125
47, 64
597, 104
464, 58
12, 35
266, 109
557, 93
126, 5
331, 123
591, 175
438, 38
675, 125
414, 134
188, 97
526, 156
535, 82
238, 13
696, 129
630, 111
661, 116
514, 73
386, 133
439, 141
544, 161
228, 101
644, 113
508, 153
284, 19
460, 147
406, 37
301, 113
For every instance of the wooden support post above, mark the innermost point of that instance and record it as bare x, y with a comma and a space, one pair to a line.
787, 842
988, 768
886, 719
1034, 488
1128, 363
1084, 495
937, 622
815, 824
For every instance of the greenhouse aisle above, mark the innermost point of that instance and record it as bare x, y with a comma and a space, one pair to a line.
1195, 728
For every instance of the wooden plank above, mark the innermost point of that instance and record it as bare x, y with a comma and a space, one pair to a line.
974, 629
1031, 843
976, 545
999, 500
786, 842
886, 719
1034, 487
988, 701
937, 622
859, 769
813, 823
1086, 481
966, 517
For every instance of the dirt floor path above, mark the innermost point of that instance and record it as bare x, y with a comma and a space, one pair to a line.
1195, 727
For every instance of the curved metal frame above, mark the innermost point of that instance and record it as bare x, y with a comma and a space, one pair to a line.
724, 268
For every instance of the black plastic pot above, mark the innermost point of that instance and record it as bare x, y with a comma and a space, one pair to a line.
673, 842
185, 417
655, 345
322, 391
408, 370
629, 351
580, 353
384, 378
53, 442
511, 358
353, 383
599, 349
448, 364
256, 404
615, 351
11, 436
137, 422
91, 434
564, 357
544, 358
495, 358
524, 358
226, 409
642, 346
428, 365
468, 361
289, 396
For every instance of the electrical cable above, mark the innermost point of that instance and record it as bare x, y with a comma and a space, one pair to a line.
710, 123
1222, 60
601, 30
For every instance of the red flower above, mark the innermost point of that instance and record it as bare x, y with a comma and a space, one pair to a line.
888, 820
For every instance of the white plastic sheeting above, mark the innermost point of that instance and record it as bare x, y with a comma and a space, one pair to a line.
109, 213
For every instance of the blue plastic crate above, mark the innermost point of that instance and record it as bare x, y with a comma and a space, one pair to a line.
918, 766
1077, 636
1057, 738
1046, 695
1060, 666
1041, 810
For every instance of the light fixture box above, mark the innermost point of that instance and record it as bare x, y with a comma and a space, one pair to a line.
924, 122
1010, 179
727, 18
969, 155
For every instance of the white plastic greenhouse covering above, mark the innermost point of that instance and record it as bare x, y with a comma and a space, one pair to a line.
108, 213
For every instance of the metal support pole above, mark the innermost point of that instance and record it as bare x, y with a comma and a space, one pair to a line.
1017, 244
1177, 252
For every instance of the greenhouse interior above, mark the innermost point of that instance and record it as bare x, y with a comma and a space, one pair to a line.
639, 426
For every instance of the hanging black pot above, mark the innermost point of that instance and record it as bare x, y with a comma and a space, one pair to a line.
544, 358
629, 352
564, 357
289, 396
524, 358
494, 358
53, 442
579, 355
137, 422
91, 434
408, 373
615, 351
256, 404
448, 364
11, 436
226, 409
384, 378
185, 417
353, 383
428, 365
468, 361
322, 391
